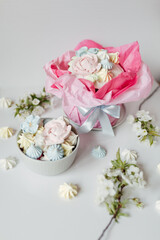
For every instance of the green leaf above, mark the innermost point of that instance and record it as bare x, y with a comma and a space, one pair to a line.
144, 138
154, 133
150, 139
123, 214
118, 154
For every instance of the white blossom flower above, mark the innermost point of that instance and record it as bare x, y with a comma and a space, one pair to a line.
129, 155
143, 115
157, 129
38, 111
35, 101
113, 173
130, 119
144, 132
105, 188
132, 170
137, 127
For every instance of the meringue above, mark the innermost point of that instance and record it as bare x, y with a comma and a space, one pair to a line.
39, 140
7, 163
55, 152
72, 139
157, 205
129, 155
158, 167
68, 191
6, 132
5, 102
25, 140
67, 148
34, 152
99, 152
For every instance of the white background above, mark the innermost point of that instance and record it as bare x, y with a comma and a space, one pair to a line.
31, 34
34, 32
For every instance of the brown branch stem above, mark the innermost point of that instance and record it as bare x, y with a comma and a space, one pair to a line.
115, 214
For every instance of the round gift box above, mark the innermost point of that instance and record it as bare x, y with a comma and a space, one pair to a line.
49, 168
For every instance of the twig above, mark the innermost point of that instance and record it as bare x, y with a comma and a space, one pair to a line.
149, 96
114, 216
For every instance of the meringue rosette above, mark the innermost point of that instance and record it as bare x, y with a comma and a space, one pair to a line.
55, 152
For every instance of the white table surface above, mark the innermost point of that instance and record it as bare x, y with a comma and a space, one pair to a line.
30, 207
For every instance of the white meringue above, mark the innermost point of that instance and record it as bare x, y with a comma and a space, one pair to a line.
72, 138
7, 163
129, 155
67, 148
25, 140
158, 167
6, 132
157, 205
5, 102
68, 191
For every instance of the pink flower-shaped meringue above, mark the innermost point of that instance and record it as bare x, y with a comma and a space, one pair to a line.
85, 65
56, 131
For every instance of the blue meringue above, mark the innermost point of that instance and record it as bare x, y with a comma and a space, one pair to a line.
34, 152
81, 51
107, 64
93, 50
99, 152
55, 152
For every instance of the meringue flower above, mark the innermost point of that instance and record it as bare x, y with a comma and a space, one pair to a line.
82, 51
7, 163
68, 191
143, 116
30, 125
56, 131
129, 155
85, 65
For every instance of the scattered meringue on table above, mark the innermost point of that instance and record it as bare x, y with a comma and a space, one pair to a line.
68, 191
157, 206
7, 163
158, 168
99, 152
5, 102
6, 132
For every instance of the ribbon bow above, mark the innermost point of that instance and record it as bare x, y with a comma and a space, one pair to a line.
99, 113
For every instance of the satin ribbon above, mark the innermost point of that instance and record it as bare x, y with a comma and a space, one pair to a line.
98, 113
